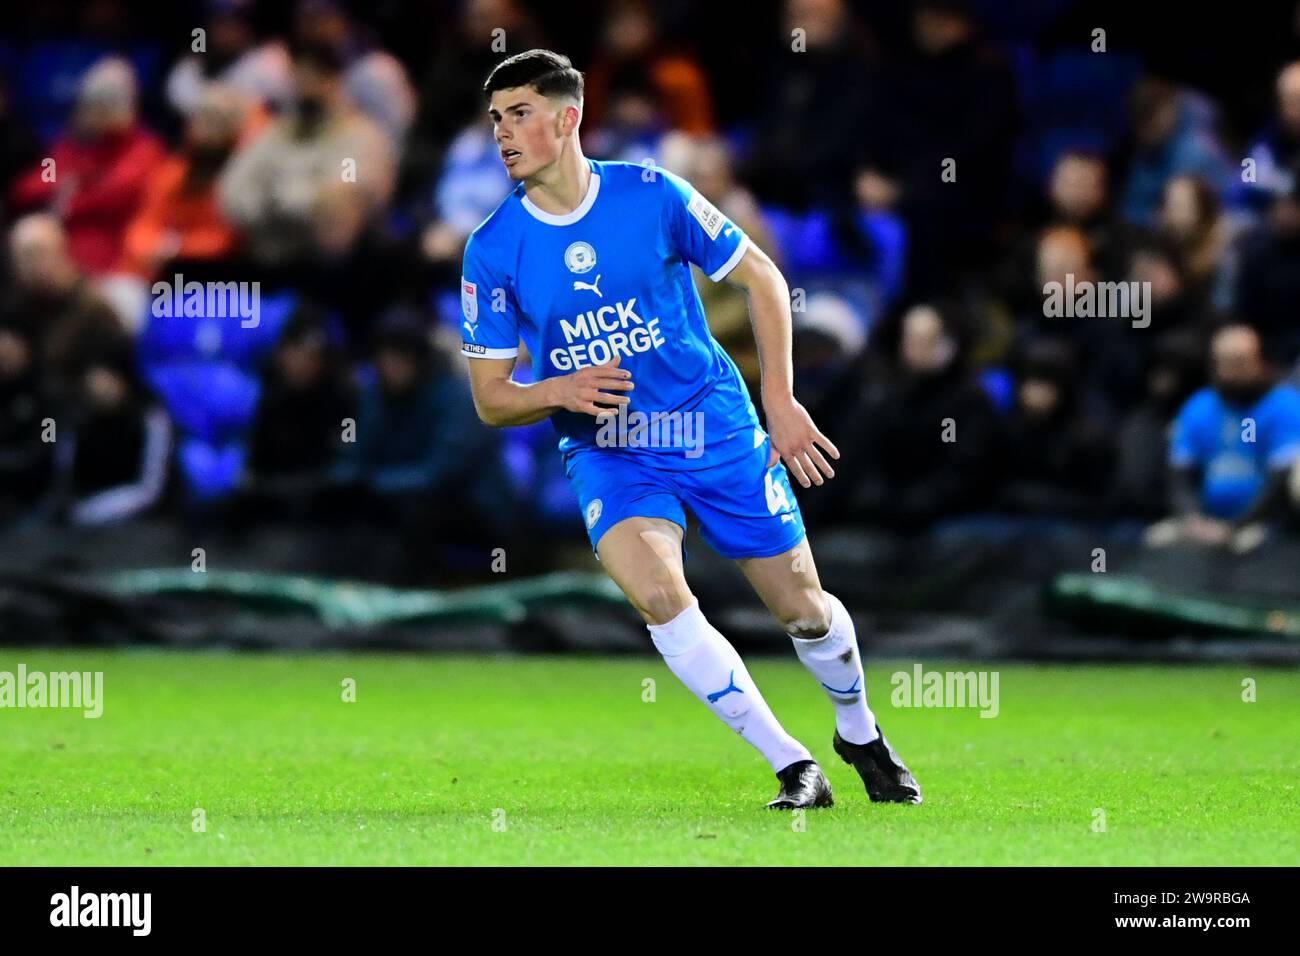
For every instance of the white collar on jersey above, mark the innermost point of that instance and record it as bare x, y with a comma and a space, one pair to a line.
593, 187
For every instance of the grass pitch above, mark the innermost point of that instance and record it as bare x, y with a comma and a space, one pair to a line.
456, 760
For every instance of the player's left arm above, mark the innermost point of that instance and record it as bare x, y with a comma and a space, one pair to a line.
701, 234
795, 438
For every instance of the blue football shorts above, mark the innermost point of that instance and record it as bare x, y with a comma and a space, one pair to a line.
744, 509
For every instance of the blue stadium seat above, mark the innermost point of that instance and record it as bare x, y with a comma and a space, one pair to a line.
206, 370
1000, 385
805, 240
210, 471
46, 79
1075, 99
212, 401
165, 339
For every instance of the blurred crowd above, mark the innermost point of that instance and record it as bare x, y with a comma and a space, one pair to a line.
921, 170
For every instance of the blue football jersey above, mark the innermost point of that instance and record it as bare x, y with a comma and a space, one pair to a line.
610, 278
1236, 447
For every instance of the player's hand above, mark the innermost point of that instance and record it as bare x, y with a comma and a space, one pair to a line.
795, 440
580, 391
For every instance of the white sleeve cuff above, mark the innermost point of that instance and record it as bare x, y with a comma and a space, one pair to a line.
725, 269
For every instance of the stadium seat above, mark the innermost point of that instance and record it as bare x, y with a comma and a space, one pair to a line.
1074, 99
46, 79
1000, 385
210, 471
211, 401
165, 339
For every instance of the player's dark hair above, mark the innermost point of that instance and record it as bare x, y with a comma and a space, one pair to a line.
551, 74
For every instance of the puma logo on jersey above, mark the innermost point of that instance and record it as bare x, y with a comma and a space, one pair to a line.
589, 286
469, 328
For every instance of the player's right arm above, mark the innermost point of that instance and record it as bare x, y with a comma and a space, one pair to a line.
501, 402
490, 337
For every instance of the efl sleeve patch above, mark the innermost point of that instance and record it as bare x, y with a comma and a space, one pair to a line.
469, 300
705, 213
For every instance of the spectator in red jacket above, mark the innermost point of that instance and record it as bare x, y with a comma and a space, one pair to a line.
95, 175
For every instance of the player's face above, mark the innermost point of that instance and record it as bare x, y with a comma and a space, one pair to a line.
529, 130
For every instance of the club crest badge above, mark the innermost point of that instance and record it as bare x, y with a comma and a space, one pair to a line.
580, 257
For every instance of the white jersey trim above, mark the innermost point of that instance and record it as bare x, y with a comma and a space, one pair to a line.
725, 269
569, 218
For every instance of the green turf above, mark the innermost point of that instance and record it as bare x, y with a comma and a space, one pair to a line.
574, 768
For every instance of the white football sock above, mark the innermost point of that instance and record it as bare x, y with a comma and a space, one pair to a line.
834, 660
711, 669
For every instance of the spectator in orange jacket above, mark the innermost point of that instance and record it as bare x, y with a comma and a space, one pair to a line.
180, 216
99, 170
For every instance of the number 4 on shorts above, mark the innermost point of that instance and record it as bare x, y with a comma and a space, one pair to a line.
776, 499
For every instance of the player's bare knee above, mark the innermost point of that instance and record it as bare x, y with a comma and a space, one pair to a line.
660, 601
806, 617
661, 606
